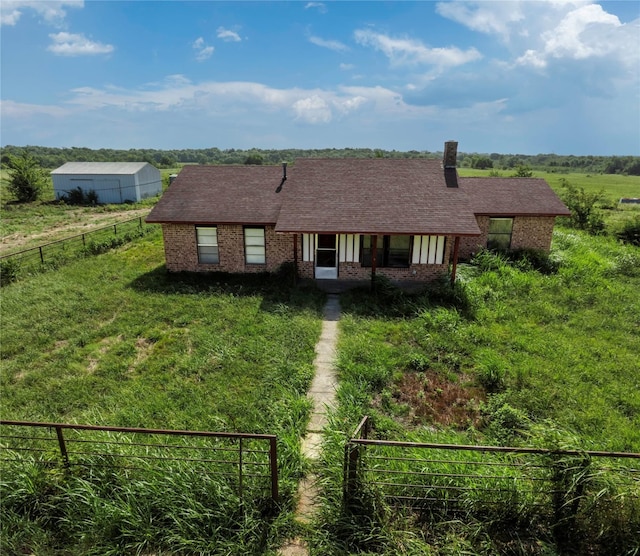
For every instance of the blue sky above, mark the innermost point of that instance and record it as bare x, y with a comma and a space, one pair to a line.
498, 76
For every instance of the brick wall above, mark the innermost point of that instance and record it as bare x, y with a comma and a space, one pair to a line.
181, 252
529, 232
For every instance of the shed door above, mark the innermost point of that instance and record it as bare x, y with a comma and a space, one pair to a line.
326, 257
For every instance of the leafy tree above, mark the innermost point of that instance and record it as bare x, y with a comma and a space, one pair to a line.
523, 171
254, 159
582, 205
481, 162
26, 178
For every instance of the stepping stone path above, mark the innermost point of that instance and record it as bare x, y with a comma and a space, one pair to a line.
322, 393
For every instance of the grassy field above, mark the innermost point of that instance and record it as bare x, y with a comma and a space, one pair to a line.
115, 340
514, 356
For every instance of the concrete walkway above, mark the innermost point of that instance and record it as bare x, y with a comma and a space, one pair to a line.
322, 394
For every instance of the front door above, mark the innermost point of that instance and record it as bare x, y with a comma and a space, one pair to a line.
326, 257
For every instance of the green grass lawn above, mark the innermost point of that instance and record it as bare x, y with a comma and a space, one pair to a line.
115, 340
515, 357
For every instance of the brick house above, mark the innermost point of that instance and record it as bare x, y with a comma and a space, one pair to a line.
406, 219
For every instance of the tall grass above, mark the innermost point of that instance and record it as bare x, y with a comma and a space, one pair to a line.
115, 340
536, 357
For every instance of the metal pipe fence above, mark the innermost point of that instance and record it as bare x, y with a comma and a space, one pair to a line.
246, 462
448, 480
54, 253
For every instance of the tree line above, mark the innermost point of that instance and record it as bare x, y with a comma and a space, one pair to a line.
53, 157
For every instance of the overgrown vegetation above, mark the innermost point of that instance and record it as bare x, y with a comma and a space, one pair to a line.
79, 196
125, 344
521, 353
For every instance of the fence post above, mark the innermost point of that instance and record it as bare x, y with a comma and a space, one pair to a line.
63, 447
240, 491
569, 476
351, 460
273, 460
41, 255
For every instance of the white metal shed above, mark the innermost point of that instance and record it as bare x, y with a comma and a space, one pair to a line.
113, 182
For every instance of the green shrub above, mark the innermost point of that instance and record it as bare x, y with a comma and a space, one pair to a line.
9, 271
504, 423
584, 213
630, 232
78, 196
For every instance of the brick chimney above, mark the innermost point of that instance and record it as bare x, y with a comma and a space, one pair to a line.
450, 154
449, 163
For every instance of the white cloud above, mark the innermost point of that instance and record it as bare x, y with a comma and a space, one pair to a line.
228, 35
320, 6
539, 31
313, 110
410, 51
346, 67
203, 52
19, 110
486, 17
337, 46
53, 12
585, 32
76, 44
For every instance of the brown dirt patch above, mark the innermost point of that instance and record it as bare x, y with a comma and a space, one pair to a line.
434, 399
143, 348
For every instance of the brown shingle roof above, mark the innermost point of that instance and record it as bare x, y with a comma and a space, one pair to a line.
221, 195
512, 197
373, 196
347, 195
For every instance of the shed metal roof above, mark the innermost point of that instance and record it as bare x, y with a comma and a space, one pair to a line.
100, 168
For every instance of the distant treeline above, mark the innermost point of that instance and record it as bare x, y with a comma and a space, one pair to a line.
50, 157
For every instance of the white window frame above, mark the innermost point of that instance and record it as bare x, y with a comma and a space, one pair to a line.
207, 242
255, 245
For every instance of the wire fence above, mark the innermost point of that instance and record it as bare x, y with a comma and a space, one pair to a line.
245, 462
56, 253
448, 480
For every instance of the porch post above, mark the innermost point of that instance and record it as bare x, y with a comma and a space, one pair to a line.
374, 260
295, 258
456, 247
